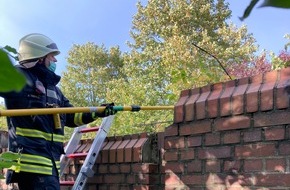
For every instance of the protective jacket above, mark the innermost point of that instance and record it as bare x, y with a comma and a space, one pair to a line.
37, 137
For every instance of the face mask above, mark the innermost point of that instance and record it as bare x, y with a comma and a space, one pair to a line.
52, 66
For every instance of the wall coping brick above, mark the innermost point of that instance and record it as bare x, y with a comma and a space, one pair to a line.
138, 148
264, 92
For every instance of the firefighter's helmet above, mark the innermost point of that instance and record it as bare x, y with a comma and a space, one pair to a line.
34, 46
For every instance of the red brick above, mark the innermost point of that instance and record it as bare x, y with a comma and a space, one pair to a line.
251, 165
225, 99
238, 96
125, 168
212, 139
272, 180
276, 165
213, 100
270, 119
252, 136
213, 166
190, 104
200, 102
113, 152
274, 133
284, 148
121, 151
194, 141
193, 179
171, 130
232, 166
175, 167
114, 168
198, 127
114, 178
194, 166
267, 90
103, 168
284, 74
105, 152
130, 179
147, 179
129, 149
187, 154
282, 93
170, 155
252, 94
174, 142
232, 137
217, 152
234, 122
137, 149
179, 106
144, 168
255, 150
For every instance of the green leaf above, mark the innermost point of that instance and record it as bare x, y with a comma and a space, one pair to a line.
10, 49
10, 78
10, 156
276, 3
6, 163
249, 9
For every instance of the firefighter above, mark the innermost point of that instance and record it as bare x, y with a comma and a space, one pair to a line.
40, 138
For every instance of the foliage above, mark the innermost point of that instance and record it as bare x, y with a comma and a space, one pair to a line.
266, 3
260, 64
165, 34
90, 73
163, 61
245, 69
8, 72
3, 122
11, 161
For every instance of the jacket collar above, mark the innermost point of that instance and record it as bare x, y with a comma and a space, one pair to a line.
46, 76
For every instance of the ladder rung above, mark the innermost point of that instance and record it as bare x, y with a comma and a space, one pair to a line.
89, 129
76, 155
67, 183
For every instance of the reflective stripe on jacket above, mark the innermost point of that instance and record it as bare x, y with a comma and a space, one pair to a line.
37, 137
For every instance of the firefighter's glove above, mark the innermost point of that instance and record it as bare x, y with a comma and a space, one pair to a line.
109, 110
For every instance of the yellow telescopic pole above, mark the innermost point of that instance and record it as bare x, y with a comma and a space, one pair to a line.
44, 111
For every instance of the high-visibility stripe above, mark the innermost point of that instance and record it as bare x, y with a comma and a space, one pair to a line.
39, 134
58, 138
36, 169
28, 158
52, 94
78, 119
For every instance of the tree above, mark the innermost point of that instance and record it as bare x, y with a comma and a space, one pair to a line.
165, 58
3, 122
90, 75
258, 65
166, 33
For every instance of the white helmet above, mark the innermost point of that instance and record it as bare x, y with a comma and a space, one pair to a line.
34, 46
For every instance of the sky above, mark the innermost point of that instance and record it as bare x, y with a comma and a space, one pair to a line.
108, 22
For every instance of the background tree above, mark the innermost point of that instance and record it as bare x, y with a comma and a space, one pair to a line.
164, 59
260, 64
90, 75
3, 123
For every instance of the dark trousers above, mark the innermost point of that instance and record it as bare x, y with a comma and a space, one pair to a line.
31, 181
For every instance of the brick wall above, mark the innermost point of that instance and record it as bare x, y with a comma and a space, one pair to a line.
127, 162
226, 136
232, 135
